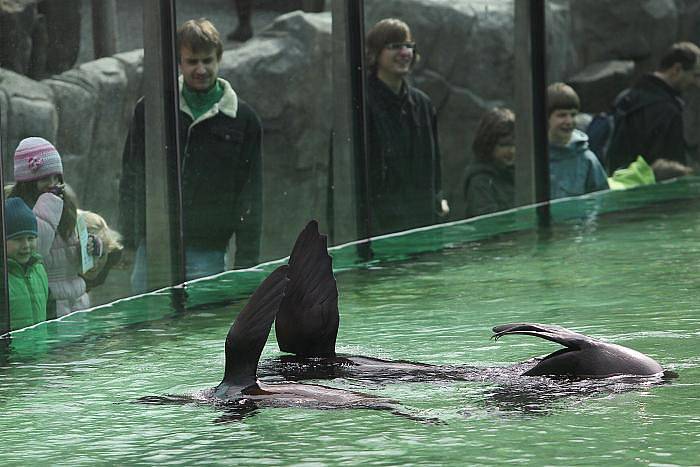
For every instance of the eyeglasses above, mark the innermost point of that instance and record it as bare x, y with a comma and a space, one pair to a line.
400, 45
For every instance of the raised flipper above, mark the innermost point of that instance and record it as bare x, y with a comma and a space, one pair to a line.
583, 355
308, 319
248, 334
558, 334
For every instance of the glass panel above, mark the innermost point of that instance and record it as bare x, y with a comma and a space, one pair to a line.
256, 165
428, 89
625, 83
63, 121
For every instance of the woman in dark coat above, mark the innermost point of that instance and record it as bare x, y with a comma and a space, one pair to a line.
489, 180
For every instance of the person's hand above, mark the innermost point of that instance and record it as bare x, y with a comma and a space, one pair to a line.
94, 245
127, 258
57, 190
444, 208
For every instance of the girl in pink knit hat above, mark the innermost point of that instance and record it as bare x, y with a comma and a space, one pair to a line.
39, 182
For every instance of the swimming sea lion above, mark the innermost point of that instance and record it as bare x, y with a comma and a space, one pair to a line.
583, 356
240, 388
308, 319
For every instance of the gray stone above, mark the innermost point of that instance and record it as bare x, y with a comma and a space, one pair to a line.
599, 83
39, 38
637, 30
63, 32
17, 18
29, 109
284, 72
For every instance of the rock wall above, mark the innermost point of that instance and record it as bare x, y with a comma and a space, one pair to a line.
39, 38
284, 72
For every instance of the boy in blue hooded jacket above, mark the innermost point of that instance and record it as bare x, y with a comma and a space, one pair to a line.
573, 168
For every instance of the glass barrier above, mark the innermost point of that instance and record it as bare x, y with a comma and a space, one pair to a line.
440, 129
437, 150
615, 113
255, 127
64, 115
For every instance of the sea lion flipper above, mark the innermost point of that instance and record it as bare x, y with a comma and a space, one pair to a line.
248, 334
558, 334
308, 319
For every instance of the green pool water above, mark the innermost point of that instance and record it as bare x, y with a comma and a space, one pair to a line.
67, 388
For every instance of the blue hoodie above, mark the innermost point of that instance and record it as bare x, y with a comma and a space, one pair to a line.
574, 169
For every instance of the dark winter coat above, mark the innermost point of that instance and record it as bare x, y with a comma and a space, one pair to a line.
221, 166
404, 162
488, 188
651, 125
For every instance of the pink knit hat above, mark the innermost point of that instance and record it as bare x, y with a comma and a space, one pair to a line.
36, 158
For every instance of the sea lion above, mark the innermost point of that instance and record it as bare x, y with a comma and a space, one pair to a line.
308, 319
583, 356
240, 389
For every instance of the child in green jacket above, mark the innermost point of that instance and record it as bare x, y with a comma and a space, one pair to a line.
29, 285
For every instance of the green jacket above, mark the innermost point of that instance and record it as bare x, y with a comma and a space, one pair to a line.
29, 292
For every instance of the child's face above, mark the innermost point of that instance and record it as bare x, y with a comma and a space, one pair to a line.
44, 184
504, 151
21, 248
561, 125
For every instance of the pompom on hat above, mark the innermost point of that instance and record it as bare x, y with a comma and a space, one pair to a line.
19, 219
36, 158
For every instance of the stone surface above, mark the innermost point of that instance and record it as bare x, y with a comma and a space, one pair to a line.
599, 83
30, 111
17, 18
39, 37
638, 30
292, 58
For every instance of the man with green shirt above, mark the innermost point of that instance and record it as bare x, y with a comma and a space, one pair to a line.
221, 162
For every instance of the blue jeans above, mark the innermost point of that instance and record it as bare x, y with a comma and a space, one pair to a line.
200, 262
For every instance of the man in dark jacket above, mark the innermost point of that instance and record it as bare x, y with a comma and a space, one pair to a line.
404, 166
649, 116
220, 140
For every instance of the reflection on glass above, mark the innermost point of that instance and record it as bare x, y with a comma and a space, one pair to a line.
489, 184
234, 183
63, 120
631, 113
26, 275
404, 156
462, 63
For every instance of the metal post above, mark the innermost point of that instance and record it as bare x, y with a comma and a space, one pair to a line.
4, 290
532, 161
342, 202
355, 51
104, 28
164, 240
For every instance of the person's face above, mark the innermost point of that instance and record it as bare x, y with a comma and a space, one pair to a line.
689, 78
21, 248
44, 184
561, 125
395, 59
199, 70
504, 151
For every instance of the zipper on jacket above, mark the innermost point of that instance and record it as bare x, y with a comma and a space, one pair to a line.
32, 295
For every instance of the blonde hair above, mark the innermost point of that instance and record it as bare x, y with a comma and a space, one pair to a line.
96, 225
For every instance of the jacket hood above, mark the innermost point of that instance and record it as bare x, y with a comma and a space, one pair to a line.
227, 105
577, 144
